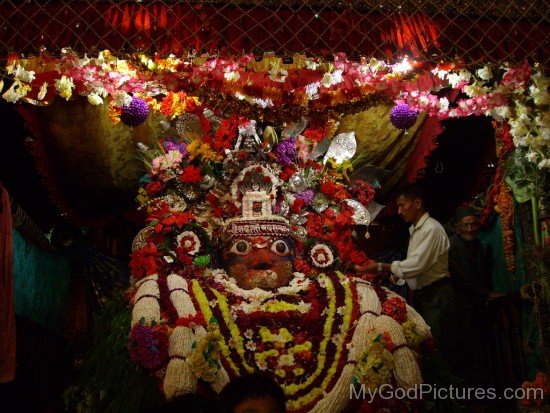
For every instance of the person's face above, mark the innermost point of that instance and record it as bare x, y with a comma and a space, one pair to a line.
408, 209
468, 227
260, 405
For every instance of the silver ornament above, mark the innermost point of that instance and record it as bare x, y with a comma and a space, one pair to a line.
342, 148
319, 203
360, 215
297, 182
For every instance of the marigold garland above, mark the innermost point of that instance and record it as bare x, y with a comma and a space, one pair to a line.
505, 208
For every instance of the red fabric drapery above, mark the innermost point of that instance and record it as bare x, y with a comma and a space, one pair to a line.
231, 29
7, 309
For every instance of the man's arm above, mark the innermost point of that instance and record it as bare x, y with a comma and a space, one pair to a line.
426, 253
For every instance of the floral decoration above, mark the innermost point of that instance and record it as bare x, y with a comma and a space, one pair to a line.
536, 391
149, 345
375, 365
321, 255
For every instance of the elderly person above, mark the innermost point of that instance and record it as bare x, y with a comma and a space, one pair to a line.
470, 276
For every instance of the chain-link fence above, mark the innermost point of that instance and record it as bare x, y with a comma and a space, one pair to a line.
434, 30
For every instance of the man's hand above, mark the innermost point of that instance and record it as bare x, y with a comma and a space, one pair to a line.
371, 268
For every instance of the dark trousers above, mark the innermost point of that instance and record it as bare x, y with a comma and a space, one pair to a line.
436, 304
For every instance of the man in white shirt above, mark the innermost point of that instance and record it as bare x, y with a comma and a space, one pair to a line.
425, 269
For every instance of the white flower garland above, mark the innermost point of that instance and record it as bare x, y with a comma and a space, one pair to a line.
257, 295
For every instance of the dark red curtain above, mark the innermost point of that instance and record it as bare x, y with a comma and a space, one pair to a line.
7, 309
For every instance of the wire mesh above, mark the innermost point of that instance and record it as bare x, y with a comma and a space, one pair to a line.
430, 30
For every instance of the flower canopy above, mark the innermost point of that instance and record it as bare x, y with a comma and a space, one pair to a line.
275, 90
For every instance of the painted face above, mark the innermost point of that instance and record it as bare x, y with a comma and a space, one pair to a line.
408, 209
468, 227
260, 261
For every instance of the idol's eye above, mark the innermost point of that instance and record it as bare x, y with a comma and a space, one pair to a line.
280, 247
241, 247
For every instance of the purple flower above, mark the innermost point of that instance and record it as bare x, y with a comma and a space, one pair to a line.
286, 151
306, 196
135, 113
144, 347
402, 116
170, 145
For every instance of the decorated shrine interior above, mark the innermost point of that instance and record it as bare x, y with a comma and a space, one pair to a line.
190, 190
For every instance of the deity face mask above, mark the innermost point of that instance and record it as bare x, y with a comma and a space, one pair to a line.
260, 261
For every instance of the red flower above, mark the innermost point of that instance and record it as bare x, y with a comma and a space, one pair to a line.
152, 188
395, 308
144, 262
297, 205
314, 135
191, 174
287, 172
302, 266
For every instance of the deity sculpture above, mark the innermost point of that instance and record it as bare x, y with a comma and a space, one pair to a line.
252, 278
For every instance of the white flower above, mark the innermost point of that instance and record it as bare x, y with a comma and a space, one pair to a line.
501, 112
250, 345
262, 364
313, 89
277, 74
168, 259
122, 98
545, 163
484, 73
540, 96
189, 241
23, 75
532, 156
375, 64
17, 91
440, 73
322, 282
403, 67
465, 74
263, 103
95, 99
232, 76
311, 65
322, 256
65, 87
333, 78
43, 91
341, 310
249, 333
443, 104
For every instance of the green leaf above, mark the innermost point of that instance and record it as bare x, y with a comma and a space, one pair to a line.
202, 261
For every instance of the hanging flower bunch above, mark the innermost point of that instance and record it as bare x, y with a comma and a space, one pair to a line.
504, 205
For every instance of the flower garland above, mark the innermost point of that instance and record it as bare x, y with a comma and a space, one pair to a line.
375, 364
516, 94
305, 360
505, 207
